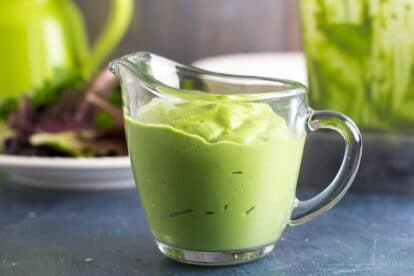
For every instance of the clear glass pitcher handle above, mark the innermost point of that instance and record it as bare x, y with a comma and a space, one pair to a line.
117, 24
306, 210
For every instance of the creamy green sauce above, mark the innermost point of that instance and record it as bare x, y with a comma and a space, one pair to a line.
214, 175
244, 123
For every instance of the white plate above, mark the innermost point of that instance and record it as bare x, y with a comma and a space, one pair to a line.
291, 65
68, 173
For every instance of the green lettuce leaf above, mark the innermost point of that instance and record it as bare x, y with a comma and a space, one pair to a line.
7, 106
50, 90
70, 142
5, 133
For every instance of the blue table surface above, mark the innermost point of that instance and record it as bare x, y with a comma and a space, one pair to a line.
105, 233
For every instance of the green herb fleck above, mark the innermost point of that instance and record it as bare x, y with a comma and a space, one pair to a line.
250, 210
180, 213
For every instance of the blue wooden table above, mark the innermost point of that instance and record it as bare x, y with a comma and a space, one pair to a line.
105, 233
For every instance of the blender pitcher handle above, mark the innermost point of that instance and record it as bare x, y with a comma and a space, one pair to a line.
117, 23
306, 210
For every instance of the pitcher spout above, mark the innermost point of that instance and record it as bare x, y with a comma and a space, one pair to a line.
129, 63
148, 69
163, 77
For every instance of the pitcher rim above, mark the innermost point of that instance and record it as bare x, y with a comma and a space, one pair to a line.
296, 88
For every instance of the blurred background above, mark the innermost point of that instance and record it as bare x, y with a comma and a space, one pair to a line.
359, 56
188, 30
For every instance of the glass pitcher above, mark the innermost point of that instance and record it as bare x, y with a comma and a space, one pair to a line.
216, 157
44, 42
360, 56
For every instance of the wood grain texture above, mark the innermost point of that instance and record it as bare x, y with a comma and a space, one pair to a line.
191, 29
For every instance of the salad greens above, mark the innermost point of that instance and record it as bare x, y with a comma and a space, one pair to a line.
46, 94
5, 133
65, 118
69, 142
360, 56
50, 90
7, 106
103, 119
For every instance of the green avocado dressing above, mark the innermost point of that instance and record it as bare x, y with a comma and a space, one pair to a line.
214, 175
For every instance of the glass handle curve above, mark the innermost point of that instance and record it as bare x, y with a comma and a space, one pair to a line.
306, 210
117, 23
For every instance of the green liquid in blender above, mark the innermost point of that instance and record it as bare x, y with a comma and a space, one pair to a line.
360, 56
